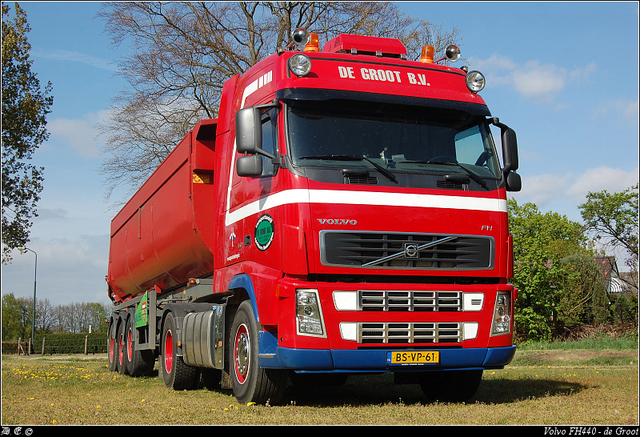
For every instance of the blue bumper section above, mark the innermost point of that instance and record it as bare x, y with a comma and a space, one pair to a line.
375, 360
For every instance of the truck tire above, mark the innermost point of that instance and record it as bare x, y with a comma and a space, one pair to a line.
112, 349
454, 386
139, 363
175, 373
250, 382
121, 360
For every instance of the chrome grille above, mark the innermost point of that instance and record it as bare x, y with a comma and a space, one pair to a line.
401, 332
407, 300
406, 251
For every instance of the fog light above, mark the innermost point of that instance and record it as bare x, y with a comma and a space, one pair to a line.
475, 81
502, 314
300, 64
309, 313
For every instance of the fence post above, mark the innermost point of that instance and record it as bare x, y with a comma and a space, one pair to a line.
43, 339
86, 342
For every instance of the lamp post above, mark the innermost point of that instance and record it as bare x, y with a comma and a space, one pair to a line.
35, 276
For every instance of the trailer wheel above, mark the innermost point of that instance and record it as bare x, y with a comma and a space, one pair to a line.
121, 358
249, 381
112, 350
454, 386
175, 373
139, 363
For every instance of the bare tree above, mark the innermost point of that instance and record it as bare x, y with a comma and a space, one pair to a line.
182, 53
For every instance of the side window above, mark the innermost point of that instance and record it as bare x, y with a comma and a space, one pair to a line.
269, 143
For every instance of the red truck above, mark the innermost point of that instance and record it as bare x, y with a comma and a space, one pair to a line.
345, 213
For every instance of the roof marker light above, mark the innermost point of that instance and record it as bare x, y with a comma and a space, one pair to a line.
313, 45
427, 54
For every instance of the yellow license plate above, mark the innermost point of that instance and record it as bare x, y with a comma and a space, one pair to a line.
398, 358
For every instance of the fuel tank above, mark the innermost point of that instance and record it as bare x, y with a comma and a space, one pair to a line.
163, 236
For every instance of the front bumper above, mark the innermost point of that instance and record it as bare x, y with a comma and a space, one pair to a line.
375, 360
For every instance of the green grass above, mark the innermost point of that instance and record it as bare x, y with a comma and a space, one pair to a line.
541, 387
624, 343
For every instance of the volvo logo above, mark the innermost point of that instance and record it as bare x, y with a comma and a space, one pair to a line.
324, 221
411, 250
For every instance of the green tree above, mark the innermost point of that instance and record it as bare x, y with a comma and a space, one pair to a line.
585, 299
16, 320
24, 109
541, 243
613, 218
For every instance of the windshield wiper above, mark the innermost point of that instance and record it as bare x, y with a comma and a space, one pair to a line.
471, 174
378, 167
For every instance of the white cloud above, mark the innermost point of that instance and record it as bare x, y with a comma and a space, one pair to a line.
81, 133
572, 189
542, 189
538, 82
602, 178
69, 270
52, 214
581, 75
70, 56
624, 109
533, 80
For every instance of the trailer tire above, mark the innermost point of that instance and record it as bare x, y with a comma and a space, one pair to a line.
138, 362
112, 350
175, 373
454, 386
121, 359
250, 382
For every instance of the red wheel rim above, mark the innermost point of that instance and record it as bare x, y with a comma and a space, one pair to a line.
168, 352
112, 347
121, 349
241, 352
129, 343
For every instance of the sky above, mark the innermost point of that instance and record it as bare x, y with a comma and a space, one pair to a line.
564, 76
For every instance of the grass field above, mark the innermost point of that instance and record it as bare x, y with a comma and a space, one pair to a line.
587, 386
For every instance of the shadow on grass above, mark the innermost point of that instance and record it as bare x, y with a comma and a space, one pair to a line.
363, 390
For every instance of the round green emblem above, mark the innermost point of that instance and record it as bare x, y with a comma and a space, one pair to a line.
264, 232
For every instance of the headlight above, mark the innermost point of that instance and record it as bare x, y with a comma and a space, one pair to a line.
309, 313
300, 64
501, 323
475, 81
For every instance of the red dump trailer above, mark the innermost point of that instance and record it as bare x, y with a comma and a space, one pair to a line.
345, 213
163, 235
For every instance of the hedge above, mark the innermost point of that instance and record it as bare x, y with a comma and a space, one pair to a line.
62, 344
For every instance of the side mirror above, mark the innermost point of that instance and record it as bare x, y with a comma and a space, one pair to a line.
514, 182
249, 166
248, 130
509, 149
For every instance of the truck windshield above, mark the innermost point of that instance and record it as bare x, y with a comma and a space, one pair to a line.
398, 138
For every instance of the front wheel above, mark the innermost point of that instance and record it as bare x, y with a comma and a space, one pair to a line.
249, 381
